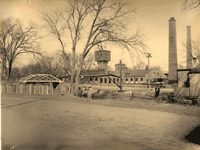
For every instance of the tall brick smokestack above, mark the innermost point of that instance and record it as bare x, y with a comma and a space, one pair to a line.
172, 51
189, 49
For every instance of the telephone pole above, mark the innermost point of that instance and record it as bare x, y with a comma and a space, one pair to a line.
148, 56
120, 76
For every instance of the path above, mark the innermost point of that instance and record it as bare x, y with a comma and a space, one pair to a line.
61, 125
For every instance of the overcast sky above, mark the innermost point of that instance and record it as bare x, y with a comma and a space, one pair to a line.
152, 17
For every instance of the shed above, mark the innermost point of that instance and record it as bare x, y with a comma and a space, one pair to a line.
41, 78
41, 83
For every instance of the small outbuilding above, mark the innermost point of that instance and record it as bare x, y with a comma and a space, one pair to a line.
40, 84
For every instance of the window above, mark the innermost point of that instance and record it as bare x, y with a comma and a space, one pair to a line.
114, 80
105, 80
136, 79
141, 79
96, 79
126, 79
109, 80
117, 80
131, 79
90, 79
101, 80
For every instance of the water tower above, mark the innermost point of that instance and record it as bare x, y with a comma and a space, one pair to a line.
102, 57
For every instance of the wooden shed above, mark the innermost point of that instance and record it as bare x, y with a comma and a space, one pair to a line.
40, 83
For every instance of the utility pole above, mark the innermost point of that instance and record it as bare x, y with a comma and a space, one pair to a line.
120, 76
148, 56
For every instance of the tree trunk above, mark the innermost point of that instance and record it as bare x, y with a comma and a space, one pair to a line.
77, 77
72, 74
77, 81
2, 68
9, 70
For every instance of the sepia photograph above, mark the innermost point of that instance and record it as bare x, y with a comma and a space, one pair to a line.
100, 74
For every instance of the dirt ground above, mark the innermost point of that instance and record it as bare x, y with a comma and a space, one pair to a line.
71, 123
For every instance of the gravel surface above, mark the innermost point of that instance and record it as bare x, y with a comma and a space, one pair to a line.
50, 123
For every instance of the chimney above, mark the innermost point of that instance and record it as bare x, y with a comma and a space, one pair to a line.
189, 49
172, 51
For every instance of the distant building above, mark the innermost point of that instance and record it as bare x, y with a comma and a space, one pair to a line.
101, 76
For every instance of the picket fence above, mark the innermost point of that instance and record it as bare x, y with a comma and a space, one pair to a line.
43, 89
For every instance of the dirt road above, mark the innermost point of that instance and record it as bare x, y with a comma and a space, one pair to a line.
63, 125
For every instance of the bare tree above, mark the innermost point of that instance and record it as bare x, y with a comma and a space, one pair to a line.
195, 52
94, 22
89, 61
196, 49
16, 40
139, 66
191, 4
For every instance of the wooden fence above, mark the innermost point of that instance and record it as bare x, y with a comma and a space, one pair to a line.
43, 89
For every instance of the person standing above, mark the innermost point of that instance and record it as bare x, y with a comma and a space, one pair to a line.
157, 92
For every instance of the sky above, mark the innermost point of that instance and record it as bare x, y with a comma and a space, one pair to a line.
152, 17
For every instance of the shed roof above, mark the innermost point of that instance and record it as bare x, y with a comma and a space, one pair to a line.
195, 69
40, 78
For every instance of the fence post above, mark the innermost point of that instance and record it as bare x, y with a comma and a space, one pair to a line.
23, 88
4, 89
69, 89
42, 88
26, 89
39, 89
7, 87
34, 87
47, 90
17, 88
62, 88
30, 89
20, 88
51, 88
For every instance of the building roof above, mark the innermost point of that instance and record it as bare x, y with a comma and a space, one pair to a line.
136, 73
116, 73
40, 78
103, 50
108, 75
195, 69
92, 72
119, 64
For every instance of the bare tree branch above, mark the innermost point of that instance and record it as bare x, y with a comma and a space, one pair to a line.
107, 24
16, 40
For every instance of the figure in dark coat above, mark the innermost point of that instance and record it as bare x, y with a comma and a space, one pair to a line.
157, 91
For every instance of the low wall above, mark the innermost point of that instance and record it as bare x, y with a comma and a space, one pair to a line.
45, 88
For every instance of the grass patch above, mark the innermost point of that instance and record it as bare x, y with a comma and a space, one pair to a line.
136, 103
